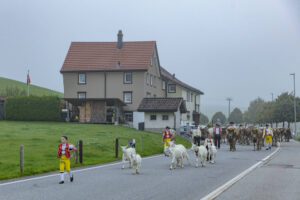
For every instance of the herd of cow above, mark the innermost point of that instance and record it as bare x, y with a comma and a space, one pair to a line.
250, 135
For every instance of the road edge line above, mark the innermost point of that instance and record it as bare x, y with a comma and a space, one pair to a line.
228, 184
86, 168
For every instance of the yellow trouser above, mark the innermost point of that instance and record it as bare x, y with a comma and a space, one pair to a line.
64, 163
268, 139
166, 141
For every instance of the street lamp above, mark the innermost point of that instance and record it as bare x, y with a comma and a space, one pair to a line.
229, 99
272, 94
294, 77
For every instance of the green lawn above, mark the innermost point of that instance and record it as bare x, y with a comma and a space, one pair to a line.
40, 140
34, 90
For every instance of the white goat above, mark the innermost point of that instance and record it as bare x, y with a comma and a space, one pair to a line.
136, 162
127, 152
178, 153
200, 152
212, 151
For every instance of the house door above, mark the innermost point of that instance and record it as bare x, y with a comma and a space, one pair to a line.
109, 115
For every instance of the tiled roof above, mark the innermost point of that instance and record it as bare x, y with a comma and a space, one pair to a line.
169, 76
104, 56
162, 105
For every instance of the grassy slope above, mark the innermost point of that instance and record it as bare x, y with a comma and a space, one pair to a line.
34, 90
40, 140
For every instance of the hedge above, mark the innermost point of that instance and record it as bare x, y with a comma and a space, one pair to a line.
32, 108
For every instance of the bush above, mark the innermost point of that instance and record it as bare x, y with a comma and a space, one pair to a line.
32, 108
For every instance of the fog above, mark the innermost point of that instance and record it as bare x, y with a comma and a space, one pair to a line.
226, 48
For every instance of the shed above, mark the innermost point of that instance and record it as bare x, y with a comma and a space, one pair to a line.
162, 112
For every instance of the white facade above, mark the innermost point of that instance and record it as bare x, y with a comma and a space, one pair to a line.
158, 125
138, 117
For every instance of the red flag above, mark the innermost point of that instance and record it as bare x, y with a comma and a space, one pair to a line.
28, 79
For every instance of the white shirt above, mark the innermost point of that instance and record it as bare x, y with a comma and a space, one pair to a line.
63, 148
217, 131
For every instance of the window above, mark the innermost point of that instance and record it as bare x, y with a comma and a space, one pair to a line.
128, 77
128, 116
154, 95
165, 117
154, 81
172, 88
127, 97
81, 95
188, 96
151, 80
81, 78
151, 62
164, 85
118, 64
148, 79
148, 95
192, 97
152, 117
197, 107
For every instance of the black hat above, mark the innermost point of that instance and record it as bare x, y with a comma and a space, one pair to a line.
167, 127
267, 124
231, 122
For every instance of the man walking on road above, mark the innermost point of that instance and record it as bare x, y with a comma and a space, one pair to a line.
268, 134
197, 136
217, 135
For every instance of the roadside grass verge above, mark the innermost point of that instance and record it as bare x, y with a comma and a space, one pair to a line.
297, 138
40, 140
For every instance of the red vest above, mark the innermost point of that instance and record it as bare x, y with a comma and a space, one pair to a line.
67, 153
219, 130
167, 134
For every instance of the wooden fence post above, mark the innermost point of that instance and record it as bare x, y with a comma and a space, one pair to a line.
117, 147
141, 143
22, 159
80, 151
76, 152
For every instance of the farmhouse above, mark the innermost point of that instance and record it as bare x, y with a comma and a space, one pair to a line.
107, 82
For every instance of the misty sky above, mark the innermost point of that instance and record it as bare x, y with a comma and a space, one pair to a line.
237, 48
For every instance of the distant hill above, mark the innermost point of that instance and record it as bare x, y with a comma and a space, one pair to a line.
6, 83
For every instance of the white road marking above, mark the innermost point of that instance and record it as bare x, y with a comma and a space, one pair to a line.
229, 183
74, 171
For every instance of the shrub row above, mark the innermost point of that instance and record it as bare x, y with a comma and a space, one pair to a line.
32, 108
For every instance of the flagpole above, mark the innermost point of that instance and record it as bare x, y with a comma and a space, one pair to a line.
28, 83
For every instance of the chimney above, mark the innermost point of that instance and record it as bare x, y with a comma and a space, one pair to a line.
173, 75
120, 40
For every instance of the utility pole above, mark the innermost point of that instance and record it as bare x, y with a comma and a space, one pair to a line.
229, 99
295, 116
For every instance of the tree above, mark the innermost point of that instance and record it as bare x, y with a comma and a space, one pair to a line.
249, 115
218, 117
284, 108
265, 113
203, 119
236, 116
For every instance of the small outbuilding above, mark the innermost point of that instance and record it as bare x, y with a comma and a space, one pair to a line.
162, 112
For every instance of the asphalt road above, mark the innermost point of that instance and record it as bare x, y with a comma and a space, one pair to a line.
156, 181
277, 179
